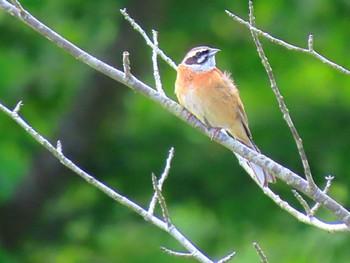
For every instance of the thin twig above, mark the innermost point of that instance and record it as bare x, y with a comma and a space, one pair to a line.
18, 107
314, 209
138, 28
126, 65
289, 46
303, 202
161, 201
282, 105
59, 146
155, 63
176, 253
260, 252
161, 181
197, 254
228, 258
268, 164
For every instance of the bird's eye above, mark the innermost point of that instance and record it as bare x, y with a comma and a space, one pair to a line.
197, 57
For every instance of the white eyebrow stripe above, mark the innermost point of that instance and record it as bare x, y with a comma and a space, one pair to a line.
194, 52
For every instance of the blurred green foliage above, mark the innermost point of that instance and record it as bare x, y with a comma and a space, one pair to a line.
50, 215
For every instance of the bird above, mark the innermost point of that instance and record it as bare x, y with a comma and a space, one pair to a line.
212, 97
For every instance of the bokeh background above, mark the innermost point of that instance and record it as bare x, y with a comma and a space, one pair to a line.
48, 214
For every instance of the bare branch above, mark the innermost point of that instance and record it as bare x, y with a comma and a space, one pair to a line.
176, 253
198, 255
261, 254
161, 181
287, 45
148, 40
251, 16
155, 64
269, 165
281, 103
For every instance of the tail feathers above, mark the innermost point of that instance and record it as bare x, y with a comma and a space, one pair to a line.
261, 175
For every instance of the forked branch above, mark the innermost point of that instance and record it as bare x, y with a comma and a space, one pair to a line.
57, 152
281, 172
310, 50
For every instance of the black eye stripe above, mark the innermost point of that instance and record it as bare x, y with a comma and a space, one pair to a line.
202, 53
199, 58
191, 60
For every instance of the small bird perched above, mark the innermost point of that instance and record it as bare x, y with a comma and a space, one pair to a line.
213, 98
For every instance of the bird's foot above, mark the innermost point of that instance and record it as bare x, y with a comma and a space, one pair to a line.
215, 133
189, 116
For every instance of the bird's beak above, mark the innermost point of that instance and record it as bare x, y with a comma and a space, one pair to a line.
213, 51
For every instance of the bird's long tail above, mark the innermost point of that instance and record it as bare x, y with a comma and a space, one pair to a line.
262, 177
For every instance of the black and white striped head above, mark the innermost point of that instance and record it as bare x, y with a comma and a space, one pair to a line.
201, 58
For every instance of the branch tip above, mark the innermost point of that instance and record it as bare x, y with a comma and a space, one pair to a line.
329, 178
228, 258
251, 13
260, 252
126, 65
155, 36
59, 146
311, 43
18, 107
176, 253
